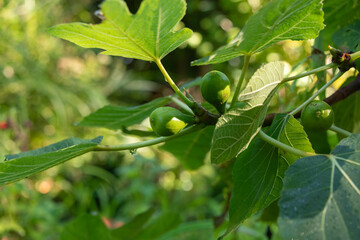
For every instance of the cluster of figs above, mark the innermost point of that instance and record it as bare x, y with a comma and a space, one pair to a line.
215, 89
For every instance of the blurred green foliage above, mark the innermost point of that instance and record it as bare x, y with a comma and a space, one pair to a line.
47, 85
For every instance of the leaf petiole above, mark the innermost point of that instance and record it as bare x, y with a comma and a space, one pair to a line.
316, 70
283, 146
203, 115
355, 55
340, 131
241, 80
173, 85
337, 76
182, 105
132, 146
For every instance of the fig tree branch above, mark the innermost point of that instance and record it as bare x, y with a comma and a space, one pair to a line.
221, 218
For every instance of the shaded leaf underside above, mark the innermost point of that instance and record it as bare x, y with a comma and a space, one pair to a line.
321, 195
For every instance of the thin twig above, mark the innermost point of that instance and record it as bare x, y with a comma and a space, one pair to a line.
340, 94
220, 219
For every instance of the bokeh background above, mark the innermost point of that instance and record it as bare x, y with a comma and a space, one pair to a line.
47, 85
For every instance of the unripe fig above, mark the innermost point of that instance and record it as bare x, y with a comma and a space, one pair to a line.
215, 88
317, 116
167, 121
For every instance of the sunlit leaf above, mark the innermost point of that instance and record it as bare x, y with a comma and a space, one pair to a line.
147, 35
321, 195
22, 165
237, 127
278, 20
294, 135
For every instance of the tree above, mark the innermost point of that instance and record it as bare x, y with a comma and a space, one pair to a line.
275, 164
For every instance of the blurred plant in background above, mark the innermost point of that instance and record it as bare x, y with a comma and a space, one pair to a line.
47, 85
45, 88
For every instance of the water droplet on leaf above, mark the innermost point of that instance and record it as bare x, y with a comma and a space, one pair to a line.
133, 151
99, 14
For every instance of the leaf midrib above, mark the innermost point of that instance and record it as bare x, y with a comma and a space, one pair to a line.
323, 214
243, 96
348, 179
158, 32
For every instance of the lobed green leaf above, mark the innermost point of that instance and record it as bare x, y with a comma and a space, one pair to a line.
278, 20
148, 35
